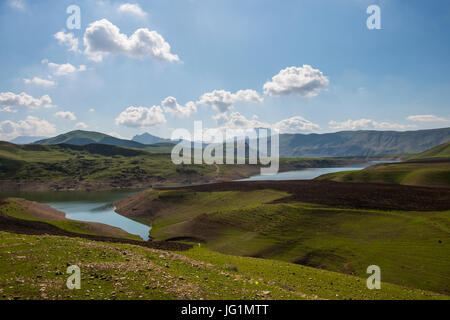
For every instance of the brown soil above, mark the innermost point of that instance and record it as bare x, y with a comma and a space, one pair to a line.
357, 195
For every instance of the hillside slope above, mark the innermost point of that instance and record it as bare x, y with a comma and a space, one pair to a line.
440, 151
271, 220
430, 168
427, 173
361, 143
118, 271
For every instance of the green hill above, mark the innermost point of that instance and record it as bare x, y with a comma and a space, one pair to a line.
430, 168
270, 224
361, 143
93, 166
82, 138
34, 267
440, 151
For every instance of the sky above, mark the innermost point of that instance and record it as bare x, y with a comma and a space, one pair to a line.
299, 66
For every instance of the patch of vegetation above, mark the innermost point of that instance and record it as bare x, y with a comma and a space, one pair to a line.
440, 151
410, 247
34, 267
431, 174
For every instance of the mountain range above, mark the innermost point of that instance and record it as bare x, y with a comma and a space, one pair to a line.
339, 144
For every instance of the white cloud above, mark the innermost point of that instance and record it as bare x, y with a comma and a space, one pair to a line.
141, 117
17, 4
8, 109
67, 39
291, 125
133, 9
91, 110
81, 125
171, 106
67, 115
426, 118
102, 38
221, 118
64, 69
296, 124
31, 126
366, 124
40, 82
224, 101
116, 135
24, 100
303, 81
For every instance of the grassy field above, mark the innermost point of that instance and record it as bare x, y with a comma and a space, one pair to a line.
89, 166
430, 168
34, 267
440, 151
97, 163
431, 174
410, 247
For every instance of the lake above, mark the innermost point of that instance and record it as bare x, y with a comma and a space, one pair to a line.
98, 206
92, 206
309, 173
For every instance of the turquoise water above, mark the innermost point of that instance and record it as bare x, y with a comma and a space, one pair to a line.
310, 173
98, 206
92, 206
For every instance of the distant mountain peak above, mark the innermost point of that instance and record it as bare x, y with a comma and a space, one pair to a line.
147, 138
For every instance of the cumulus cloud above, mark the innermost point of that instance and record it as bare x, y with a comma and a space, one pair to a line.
171, 106
17, 4
31, 126
64, 69
367, 124
103, 38
132, 9
303, 81
8, 109
137, 117
24, 100
224, 101
236, 120
67, 39
67, 115
296, 124
221, 118
81, 126
426, 118
40, 82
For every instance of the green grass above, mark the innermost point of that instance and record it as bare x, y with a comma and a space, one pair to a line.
34, 267
12, 207
440, 151
91, 163
412, 248
432, 174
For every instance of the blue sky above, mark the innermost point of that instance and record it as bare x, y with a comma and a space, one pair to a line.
299, 66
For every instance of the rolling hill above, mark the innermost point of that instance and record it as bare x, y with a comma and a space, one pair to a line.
339, 144
147, 138
440, 151
430, 168
339, 227
361, 143
80, 138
